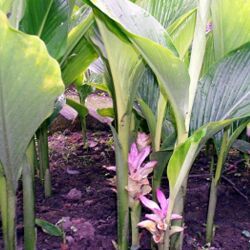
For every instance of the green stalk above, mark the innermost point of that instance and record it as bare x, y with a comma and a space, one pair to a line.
161, 110
3, 204
214, 188
42, 135
135, 214
11, 218
211, 212
122, 149
196, 61
28, 201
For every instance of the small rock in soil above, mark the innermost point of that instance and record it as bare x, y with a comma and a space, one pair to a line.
74, 194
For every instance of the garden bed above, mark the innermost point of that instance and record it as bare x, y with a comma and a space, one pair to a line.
83, 197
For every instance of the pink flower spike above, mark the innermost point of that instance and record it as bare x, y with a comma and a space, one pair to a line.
149, 225
149, 204
142, 140
163, 201
176, 217
142, 156
132, 157
147, 169
153, 217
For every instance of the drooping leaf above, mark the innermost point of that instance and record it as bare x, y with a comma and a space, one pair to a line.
79, 52
231, 25
100, 107
49, 228
126, 68
48, 19
80, 108
167, 11
30, 81
224, 92
107, 112
148, 89
242, 146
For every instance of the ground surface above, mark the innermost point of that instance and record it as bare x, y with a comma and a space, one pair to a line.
84, 199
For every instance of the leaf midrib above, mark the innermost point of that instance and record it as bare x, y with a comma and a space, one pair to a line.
44, 19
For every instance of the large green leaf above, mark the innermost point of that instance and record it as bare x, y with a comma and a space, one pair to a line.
79, 53
154, 44
5, 5
148, 89
231, 25
48, 19
224, 92
126, 67
29, 84
167, 11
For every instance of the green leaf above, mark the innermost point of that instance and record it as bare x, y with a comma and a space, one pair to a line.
182, 32
149, 116
242, 146
79, 52
231, 22
49, 228
224, 93
30, 81
154, 44
108, 112
5, 5
126, 67
148, 89
167, 11
48, 19
80, 108
184, 155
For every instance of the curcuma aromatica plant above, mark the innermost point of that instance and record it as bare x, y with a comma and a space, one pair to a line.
182, 65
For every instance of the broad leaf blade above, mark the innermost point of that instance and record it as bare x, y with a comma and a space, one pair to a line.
48, 19
231, 25
153, 42
185, 154
79, 52
224, 93
30, 81
167, 11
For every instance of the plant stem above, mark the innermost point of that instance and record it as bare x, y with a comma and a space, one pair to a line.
28, 201
161, 246
11, 218
211, 212
135, 219
122, 181
42, 135
214, 187
3, 205
161, 110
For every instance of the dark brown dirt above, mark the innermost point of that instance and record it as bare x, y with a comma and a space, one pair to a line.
89, 211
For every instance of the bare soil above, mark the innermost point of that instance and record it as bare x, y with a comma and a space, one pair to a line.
85, 200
